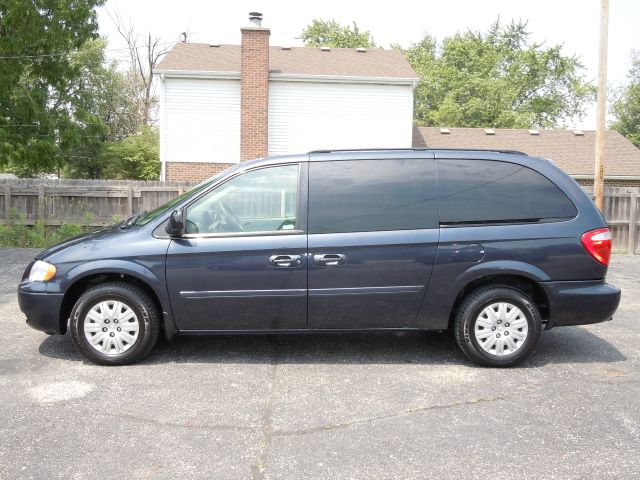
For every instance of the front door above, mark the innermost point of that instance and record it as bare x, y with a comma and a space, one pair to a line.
373, 237
242, 263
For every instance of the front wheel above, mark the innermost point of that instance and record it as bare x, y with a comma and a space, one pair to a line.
115, 323
497, 326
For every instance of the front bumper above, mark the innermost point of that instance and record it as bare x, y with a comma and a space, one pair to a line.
580, 303
41, 308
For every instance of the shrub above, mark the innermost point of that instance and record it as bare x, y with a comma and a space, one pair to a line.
37, 236
136, 157
69, 230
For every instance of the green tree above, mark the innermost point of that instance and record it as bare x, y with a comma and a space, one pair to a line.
40, 117
626, 107
137, 157
329, 33
104, 108
496, 79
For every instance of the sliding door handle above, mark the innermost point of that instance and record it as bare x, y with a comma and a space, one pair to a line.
329, 259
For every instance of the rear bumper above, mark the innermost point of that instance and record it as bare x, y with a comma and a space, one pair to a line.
580, 303
42, 309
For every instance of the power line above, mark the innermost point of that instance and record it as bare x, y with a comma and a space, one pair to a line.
2, 125
75, 136
56, 124
60, 54
56, 136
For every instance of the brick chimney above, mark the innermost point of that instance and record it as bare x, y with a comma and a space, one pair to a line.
254, 89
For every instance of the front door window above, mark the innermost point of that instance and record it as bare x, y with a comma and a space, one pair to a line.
263, 200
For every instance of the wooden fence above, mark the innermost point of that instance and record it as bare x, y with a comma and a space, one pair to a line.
101, 202
84, 202
622, 212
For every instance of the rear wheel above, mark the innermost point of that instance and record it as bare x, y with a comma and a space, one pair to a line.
497, 326
115, 323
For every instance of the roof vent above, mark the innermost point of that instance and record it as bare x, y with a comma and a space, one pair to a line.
444, 131
361, 50
578, 133
255, 18
286, 48
489, 131
214, 45
325, 49
534, 132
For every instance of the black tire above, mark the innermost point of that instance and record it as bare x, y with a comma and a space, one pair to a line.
138, 301
471, 308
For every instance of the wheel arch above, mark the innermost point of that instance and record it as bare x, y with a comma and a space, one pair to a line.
524, 283
80, 279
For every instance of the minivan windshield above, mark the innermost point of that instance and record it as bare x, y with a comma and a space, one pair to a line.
155, 213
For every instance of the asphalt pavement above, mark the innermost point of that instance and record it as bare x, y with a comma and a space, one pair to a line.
374, 406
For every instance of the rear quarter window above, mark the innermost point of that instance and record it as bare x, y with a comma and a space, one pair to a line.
488, 191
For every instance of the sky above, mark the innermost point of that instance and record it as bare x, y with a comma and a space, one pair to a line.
572, 23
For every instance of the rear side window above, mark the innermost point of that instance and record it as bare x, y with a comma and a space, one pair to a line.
485, 191
372, 195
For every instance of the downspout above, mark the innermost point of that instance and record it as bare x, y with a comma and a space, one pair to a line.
163, 165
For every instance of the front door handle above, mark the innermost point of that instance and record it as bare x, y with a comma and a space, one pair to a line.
285, 260
329, 259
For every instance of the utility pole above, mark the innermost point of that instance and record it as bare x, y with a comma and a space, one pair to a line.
598, 178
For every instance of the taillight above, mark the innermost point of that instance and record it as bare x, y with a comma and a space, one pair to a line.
598, 244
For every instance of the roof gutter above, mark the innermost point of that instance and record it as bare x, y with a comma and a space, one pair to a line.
289, 77
295, 77
196, 74
607, 177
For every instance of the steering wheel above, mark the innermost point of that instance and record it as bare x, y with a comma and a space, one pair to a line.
231, 218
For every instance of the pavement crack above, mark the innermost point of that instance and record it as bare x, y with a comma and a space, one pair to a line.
260, 465
360, 421
194, 426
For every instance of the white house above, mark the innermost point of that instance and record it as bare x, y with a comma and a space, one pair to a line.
221, 104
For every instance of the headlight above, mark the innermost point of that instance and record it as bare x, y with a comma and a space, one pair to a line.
42, 272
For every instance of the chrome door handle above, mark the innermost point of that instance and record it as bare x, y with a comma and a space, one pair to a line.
329, 259
285, 260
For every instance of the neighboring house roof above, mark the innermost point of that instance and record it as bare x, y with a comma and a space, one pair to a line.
572, 152
296, 61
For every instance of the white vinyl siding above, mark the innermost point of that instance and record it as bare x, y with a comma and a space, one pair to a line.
304, 116
201, 120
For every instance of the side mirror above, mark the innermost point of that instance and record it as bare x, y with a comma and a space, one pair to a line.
175, 227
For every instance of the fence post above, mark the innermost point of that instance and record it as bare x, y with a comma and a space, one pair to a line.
631, 249
7, 202
129, 201
41, 212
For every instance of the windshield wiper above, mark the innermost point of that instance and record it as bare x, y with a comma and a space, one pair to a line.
129, 222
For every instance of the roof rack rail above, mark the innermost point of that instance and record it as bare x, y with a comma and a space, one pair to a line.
417, 149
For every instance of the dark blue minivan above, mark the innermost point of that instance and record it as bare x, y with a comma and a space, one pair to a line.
495, 246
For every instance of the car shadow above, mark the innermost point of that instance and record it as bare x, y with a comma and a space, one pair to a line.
574, 345
562, 345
